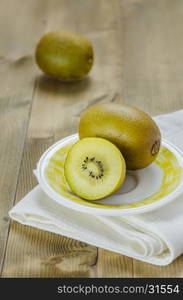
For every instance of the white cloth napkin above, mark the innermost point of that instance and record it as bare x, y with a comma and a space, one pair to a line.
155, 237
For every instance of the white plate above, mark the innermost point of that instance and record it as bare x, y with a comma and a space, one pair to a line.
144, 190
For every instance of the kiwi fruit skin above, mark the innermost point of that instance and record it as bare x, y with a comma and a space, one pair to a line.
106, 146
63, 55
133, 131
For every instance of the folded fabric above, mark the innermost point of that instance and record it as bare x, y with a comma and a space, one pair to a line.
154, 237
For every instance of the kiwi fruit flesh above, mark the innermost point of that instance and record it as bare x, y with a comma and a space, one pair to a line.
133, 131
66, 56
94, 168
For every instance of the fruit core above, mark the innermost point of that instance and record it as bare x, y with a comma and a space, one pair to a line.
93, 167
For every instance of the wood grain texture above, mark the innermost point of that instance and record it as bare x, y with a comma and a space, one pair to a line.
15, 104
21, 23
152, 54
16, 93
138, 59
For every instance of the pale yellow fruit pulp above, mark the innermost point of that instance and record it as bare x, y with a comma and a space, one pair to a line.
111, 160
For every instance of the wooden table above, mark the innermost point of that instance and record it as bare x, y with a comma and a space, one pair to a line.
138, 60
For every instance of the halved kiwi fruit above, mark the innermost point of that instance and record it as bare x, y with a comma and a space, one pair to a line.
94, 168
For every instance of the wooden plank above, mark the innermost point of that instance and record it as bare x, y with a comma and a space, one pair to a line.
152, 74
21, 23
174, 270
15, 103
46, 255
113, 265
55, 113
16, 93
152, 55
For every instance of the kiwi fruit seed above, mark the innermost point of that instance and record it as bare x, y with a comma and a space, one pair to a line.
66, 56
133, 131
94, 168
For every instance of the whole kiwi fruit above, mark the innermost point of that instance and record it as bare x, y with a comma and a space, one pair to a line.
67, 56
133, 131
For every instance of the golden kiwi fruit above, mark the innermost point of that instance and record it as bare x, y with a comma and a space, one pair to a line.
133, 131
94, 168
66, 56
